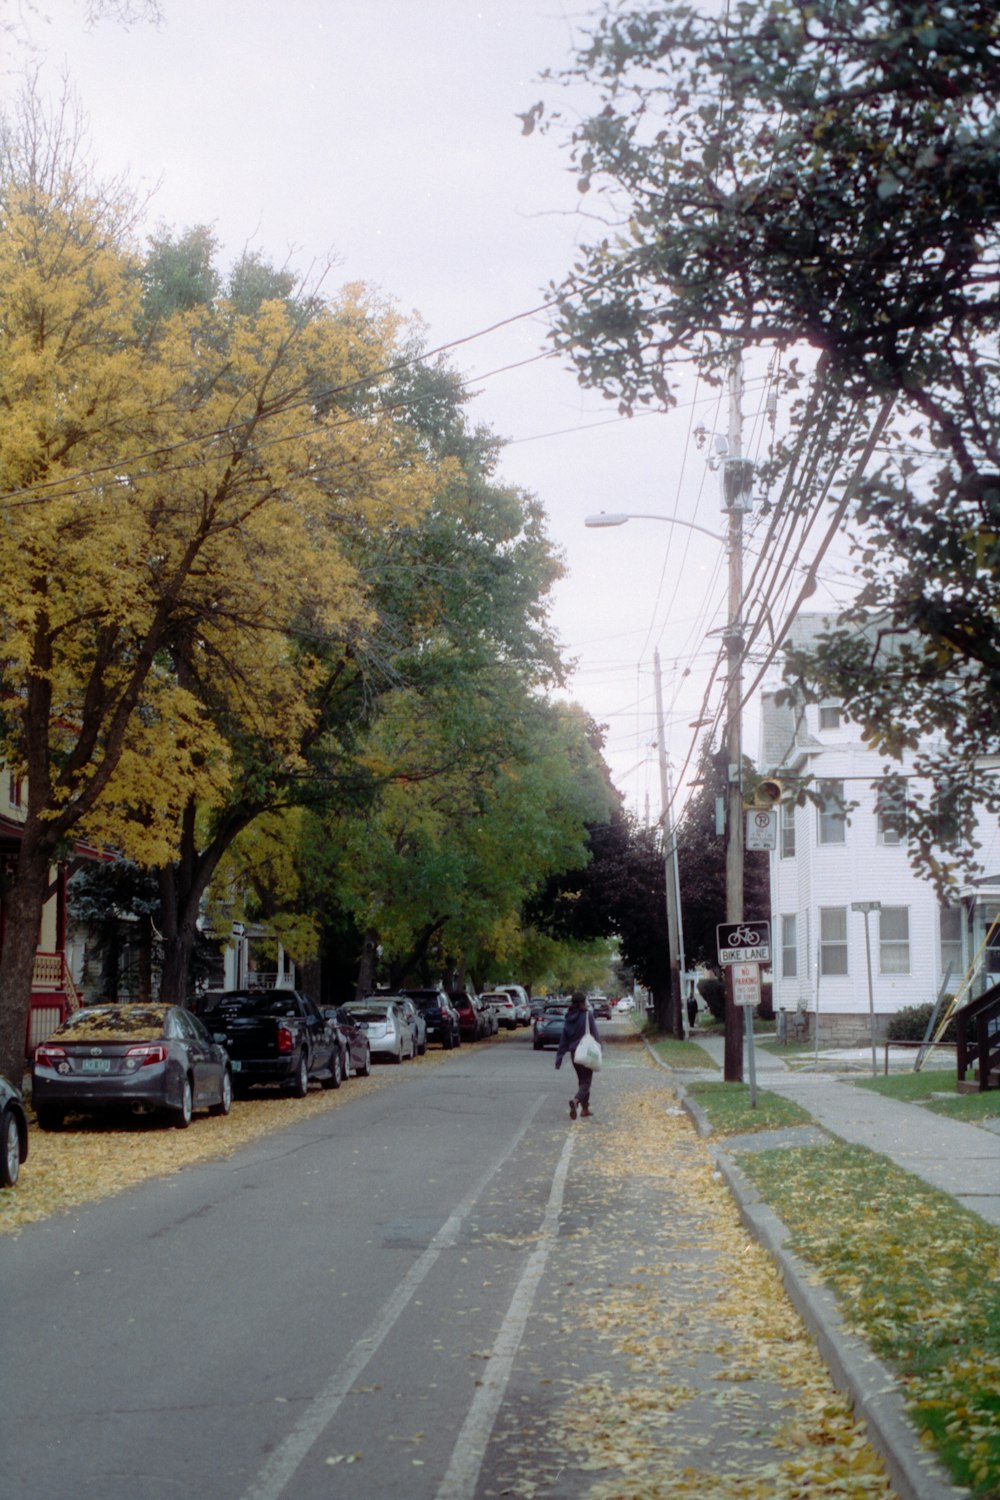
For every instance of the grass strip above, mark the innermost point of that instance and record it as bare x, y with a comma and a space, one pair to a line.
919, 1088
727, 1106
917, 1277
684, 1056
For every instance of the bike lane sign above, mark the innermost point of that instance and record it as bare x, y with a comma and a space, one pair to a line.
744, 942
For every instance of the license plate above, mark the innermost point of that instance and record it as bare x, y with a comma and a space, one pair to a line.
236, 1066
95, 1065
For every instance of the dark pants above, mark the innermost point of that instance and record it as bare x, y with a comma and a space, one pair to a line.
583, 1078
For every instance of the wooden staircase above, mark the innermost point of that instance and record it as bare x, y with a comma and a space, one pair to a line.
982, 1054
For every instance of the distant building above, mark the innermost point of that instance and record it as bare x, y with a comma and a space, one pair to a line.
827, 860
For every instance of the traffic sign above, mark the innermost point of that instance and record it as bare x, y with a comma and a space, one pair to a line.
744, 942
746, 984
762, 829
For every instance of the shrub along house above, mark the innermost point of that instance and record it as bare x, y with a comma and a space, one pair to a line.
841, 851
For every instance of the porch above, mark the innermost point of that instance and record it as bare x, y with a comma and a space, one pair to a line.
982, 1054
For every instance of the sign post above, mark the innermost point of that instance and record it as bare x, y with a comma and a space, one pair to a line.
743, 947
865, 907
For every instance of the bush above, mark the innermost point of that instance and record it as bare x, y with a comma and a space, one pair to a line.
713, 991
910, 1024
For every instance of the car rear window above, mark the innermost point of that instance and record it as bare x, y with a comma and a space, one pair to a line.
114, 1023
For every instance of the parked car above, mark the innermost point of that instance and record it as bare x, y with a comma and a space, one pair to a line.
625, 1005
417, 1023
13, 1133
473, 1023
356, 1054
440, 1016
548, 1026
601, 1006
537, 1004
386, 1026
143, 1057
503, 1004
522, 1002
272, 1036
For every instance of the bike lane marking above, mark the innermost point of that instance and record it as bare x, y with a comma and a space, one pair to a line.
462, 1474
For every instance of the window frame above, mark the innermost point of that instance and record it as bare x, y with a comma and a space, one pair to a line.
828, 817
896, 945
831, 944
789, 945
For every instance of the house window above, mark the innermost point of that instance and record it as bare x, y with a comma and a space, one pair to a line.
889, 808
950, 932
894, 940
786, 818
832, 819
789, 946
833, 940
947, 812
829, 716
16, 790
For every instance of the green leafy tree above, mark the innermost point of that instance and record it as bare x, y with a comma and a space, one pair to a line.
821, 179
701, 859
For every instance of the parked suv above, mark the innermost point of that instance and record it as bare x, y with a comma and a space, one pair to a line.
439, 1014
503, 1005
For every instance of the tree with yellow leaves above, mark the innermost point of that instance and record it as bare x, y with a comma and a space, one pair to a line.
170, 498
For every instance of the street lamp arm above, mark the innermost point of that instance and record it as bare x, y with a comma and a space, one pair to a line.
618, 518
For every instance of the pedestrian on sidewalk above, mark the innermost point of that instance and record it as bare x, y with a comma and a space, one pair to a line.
578, 1021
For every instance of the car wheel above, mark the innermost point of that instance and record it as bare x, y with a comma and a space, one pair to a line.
10, 1150
537, 1046
182, 1116
336, 1071
225, 1103
48, 1118
366, 1067
300, 1086
422, 1048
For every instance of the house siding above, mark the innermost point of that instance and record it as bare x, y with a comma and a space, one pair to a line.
862, 868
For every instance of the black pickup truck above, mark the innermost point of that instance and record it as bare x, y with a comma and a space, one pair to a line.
272, 1036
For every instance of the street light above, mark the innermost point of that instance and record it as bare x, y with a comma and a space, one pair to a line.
733, 1061
618, 518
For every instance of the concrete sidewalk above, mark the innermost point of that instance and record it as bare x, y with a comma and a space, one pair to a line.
956, 1158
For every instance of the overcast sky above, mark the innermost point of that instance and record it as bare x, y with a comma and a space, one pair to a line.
383, 133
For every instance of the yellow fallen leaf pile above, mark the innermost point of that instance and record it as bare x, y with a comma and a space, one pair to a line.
706, 1384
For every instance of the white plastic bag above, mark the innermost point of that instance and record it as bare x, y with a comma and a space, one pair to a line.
588, 1051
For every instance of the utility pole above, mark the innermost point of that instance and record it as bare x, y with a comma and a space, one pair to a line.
670, 865
735, 483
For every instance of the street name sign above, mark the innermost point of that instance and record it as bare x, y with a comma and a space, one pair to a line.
744, 942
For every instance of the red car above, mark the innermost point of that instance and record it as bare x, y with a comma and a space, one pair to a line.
472, 1019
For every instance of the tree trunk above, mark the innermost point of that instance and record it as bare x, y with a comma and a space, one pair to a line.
661, 1007
145, 957
23, 904
366, 968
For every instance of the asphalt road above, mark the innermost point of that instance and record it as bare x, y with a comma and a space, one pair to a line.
334, 1311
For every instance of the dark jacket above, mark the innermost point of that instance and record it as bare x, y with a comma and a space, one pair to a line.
573, 1030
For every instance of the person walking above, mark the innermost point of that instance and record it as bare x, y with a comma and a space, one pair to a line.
578, 1021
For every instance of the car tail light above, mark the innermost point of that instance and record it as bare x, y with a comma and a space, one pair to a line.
146, 1055
49, 1056
285, 1039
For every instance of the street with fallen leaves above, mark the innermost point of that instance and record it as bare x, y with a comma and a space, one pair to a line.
659, 1356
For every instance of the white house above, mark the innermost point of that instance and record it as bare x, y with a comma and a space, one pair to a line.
829, 863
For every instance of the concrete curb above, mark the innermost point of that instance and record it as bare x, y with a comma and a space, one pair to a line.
865, 1380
